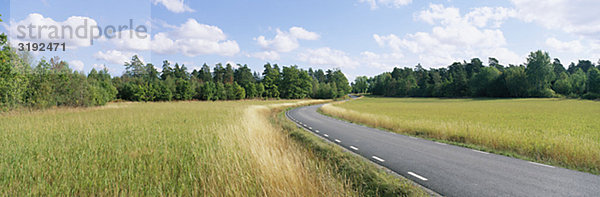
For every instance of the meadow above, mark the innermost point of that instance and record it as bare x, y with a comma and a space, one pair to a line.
159, 149
564, 132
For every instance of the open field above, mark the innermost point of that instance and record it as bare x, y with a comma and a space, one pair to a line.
555, 131
179, 148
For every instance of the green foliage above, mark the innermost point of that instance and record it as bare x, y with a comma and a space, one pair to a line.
324, 91
295, 83
13, 76
481, 82
516, 81
101, 87
260, 90
578, 82
540, 73
208, 91
593, 80
538, 78
360, 84
270, 81
562, 84
53, 83
339, 79
50, 83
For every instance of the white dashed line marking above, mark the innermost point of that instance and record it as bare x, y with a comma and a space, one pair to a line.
353, 148
310, 128
416, 175
317, 131
378, 159
305, 125
539, 164
338, 141
325, 135
440, 143
481, 152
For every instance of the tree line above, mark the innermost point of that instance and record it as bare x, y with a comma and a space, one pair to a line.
540, 76
48, 83
142, 82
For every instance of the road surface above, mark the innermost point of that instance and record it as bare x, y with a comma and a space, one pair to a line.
446, 169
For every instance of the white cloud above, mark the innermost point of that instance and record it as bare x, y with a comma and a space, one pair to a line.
572, 16
328, 57
162, 43
77, 30
193, 30
496, 16
193, 39
131, 40
454, 37
388, 3
574, 46
115, 56
99, 67
286, 41
177, 6
76, 65
266, 55
301, 33
386, 61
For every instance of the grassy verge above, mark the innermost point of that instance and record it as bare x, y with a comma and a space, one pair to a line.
158, 149
365, 177
553, 131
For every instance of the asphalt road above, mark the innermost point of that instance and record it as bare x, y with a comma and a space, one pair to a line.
446, 169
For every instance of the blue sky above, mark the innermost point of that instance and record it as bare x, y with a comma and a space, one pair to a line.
361, 37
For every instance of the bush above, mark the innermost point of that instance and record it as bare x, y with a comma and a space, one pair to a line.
591, 96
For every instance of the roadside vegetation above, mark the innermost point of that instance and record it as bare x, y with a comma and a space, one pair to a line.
176, 148
365, 177
560, 132
235, 148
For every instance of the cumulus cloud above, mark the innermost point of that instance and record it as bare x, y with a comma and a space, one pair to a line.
388, 3
574, 46
190, 38
385, 61
99, 66
131, 40
76, 31
481, 16
266, 55
327, 57
193, 39
454, 36
177, 6
571, 16
115, 56
286, 41
76, 65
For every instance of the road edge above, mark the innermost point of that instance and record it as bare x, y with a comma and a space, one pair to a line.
385, 169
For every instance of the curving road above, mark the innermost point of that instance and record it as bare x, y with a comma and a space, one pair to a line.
446, 169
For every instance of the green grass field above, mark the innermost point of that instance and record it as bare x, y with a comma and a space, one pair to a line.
561, 132
180, 148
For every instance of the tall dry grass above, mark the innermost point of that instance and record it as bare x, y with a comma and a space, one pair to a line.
157, 149
559, 132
